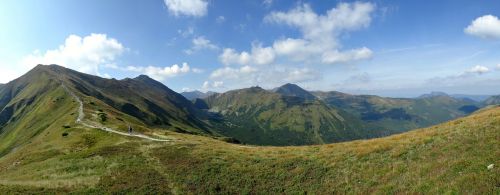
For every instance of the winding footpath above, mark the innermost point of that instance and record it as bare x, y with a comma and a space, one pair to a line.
81, 116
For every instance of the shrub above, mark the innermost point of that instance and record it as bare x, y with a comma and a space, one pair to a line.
230, 140
103, 116
65, 134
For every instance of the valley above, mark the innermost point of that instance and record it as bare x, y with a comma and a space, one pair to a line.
77, 151
249, 97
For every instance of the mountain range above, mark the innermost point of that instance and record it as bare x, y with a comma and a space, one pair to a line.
493, 100
192, 95
287, 115
258, 116
62, 131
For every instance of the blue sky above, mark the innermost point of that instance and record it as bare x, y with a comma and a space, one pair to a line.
389, 48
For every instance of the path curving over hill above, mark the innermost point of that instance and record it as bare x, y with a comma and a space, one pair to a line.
81, 116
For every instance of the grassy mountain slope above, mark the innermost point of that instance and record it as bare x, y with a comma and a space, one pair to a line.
258, 116
141, 97
32, 103
447, 158
493, 100
29, 105
400, 114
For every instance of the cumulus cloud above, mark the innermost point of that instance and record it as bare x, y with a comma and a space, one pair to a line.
259, 55
320, 32
267, 3
161, 73
84, 54
335, 56
231, 56
301, 75
232, 73
196, 8
345, 17
319, 39
465, 77
207, 85
478, 69
200, 43
266, 76
486, 27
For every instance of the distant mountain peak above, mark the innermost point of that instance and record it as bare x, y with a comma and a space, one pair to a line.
434, 94
196, 94
255, 88
143, 77
290, 89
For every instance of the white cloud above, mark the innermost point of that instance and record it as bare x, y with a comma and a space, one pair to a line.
319, 41
259, 55
262, 55
186, 33
320, 32
331, 57
106, 75
83, 54
267, 3
301, 75
220, 19
207, 85
247, 69
466, 77
196, 8
230, 56
478, 69
197, 70
200, 43
345, 17
498, 66
232, 73
267, 76
486, 27
161, 73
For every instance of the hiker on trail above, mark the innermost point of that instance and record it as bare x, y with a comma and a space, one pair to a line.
129, 129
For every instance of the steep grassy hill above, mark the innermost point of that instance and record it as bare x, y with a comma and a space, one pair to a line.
32, 103
400, 114
449, 158
258, 116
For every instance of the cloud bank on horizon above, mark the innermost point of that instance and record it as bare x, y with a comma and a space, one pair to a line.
347, 46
